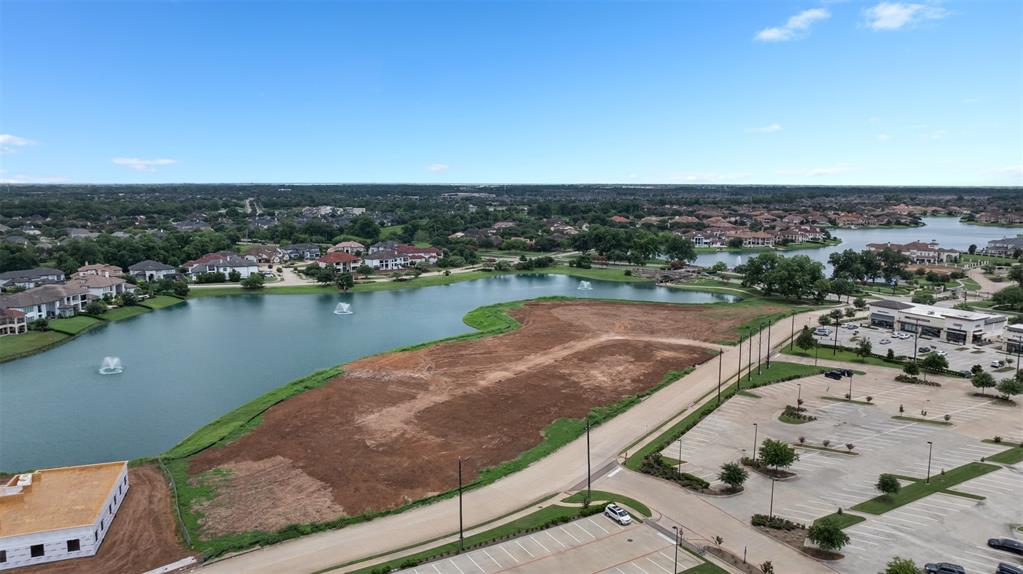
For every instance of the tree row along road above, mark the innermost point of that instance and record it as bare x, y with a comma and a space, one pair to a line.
556, 473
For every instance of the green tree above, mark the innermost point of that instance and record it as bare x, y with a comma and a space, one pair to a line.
923, 298
345, 281
129, 298
934, 362
234, 276
899, 565
325, 275
887, 484
733, 475
1009, 298
678, 248
911, 369
859, 302
777, 454
1010, 388
983, 381
253, 281
865, 348
827, 535
364, 270
805, 340
824, 320
96, 307
1016, 274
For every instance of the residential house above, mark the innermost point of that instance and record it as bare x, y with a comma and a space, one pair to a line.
192, 225
754, 238
341, 261
919, 252
47, 301
79, 233
1004, 247
101, 286
12, 322
222, 262
801, 234
98, 269
29, 278
349, 247
301, 251
385, 260
150, 270
265, 255
415, 254
383, 246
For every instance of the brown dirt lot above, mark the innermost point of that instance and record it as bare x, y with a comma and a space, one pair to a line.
143, 535
390, 429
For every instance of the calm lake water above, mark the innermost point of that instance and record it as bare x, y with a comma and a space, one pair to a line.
946, 230
189, 364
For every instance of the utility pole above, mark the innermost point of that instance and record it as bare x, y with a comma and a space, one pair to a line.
721, 354
680, 456
768, 357
771, 511
588, 473
461, 529
755, 429
930, 448
916, 340
792, 334
760, 347
837, 325
749, 366
1019, 347
738, 378
850, 384
799, 393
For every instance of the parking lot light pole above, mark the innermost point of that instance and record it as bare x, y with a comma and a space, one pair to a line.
721, 354
749, 362
1019, 347
816, 352
760, 347
768, 357
738, 379
770, 512
850, 384
680, 456
799, 393
835, 350
675, 569
930, 447
792, 333
755, 429
916, 340
588, 473
461, 530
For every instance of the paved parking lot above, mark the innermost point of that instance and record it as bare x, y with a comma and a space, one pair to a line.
960, 357
937, 528
589, 545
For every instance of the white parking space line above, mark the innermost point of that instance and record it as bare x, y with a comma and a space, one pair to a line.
456, 566
572, 536
548, 533
537, 542
658, 565
469, 556
492, 558
638, 567
523, 549
593, 522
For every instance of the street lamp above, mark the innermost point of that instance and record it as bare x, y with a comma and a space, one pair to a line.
461, 530
760, 347
738, 379
771, 511
680, 456
588, 472
792, 333
799, 393
749, 362
755, 429
768, 357
916, 338
930, 447
721, 353
850, 384
1019, 347
675, 569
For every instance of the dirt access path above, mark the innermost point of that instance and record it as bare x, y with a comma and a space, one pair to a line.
390, 430
142, 537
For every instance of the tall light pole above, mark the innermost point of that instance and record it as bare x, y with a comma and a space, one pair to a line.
768, 357
760, 347
680, 456
799, 393
721, 354
835, 349
749, 362
588, 473
738, 378
916, 339
1019, 347
850, 384
675, 569
930, 447
792, 334
755, 429
461, 530
771, 511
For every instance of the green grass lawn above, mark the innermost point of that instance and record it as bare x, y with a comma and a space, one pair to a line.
969, 284
788, 419
845, 400
705, 568
161, 301
920, 489
1012, 456
73, 325
604, 497
844, 520
920, 420
124, 312
829, 353
13, 346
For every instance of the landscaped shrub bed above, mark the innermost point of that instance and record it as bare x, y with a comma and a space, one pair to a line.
654, 465
796, 414
765, 470
775, 522
915, 381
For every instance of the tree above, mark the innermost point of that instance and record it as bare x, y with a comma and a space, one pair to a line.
972, 249
234, 276
1009, 298
934, 362
1016, 274
824, 320
733, 475
892, 263
911, 369
128, 298
805, 340
253, 281
983, 381
364, 270
777, 453
899, 565
1010, 388
923, 298
835, 314
735, 243
180, 289
96, 307
345, 281
678, 248
859, 302
865, 349
325, 275
887, 484
827, 535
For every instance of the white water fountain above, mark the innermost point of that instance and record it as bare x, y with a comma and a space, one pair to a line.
111, 366
738, 260
585, 286
343, 309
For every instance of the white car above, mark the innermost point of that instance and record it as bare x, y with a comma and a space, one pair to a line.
997, 364
822, 331
885, 341
940, 353
618, 514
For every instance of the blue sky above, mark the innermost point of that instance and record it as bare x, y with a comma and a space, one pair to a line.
901, 93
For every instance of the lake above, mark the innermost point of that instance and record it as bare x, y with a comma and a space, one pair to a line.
946, 230
189, 364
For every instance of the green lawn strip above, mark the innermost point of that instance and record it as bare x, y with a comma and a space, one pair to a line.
73, 325
161, 301
779, 372
124, 312
920, 489
789, 419
826, 449
750, 394
1012, 456
845, 400
604, 496
17, 346
705, 568
844, 520
920, 420
543, 518
969, 495
828, 353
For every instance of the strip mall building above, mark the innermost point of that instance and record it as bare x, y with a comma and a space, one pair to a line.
952, 325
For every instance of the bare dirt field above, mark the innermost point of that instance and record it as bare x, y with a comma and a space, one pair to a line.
143, 535
391, 428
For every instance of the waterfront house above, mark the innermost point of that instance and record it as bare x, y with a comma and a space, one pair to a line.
301, 251
150, 270
221, 262
98, 269
385, 260
1004, 247
12, 322
100, 286
265, 255
349, 247
919, 252
59, 513
341, 261
383, 246
29, 278
415, 254
47, 301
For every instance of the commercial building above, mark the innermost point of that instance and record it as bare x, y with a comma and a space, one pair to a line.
941, 323
59, 513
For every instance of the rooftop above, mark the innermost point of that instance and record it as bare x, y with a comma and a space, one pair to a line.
931, 310
58, 498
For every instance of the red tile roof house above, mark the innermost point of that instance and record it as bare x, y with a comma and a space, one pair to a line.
341, 261
416, 254
12, 322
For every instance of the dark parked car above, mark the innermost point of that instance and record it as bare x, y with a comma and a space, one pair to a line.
846, 372
1006, 568
944, 568
837, 375
1007, 544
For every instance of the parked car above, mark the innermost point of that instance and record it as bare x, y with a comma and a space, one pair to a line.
822, 331
1006, 544
837, 375
1006, 568
997, 364
904, 335
851, 326
940, 353
925, 350
944, 568
618, 514
885, 341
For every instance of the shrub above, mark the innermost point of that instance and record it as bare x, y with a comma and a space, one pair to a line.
802, 439
826, 442
827, 535
733, 475
850, 446
775, 522
998, 439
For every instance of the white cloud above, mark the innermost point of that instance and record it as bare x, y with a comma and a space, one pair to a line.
897, 15
768, 129
883, 137
707, 177
143, 164
1014, 171
437, 167
9, 143
796, 26
817, 171
33, 179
